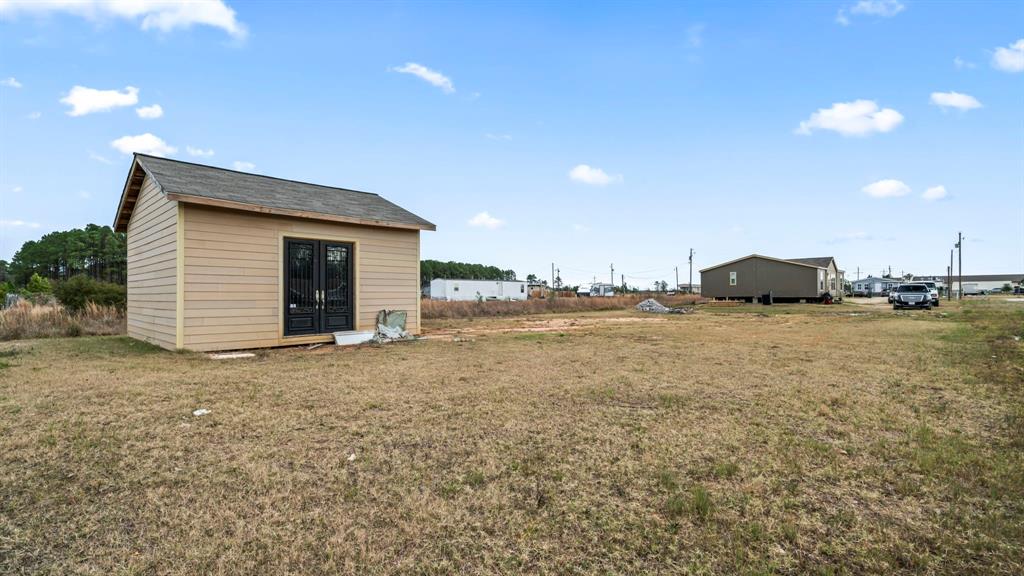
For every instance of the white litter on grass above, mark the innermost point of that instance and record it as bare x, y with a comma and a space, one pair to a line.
352, 457
200, 412
232, 355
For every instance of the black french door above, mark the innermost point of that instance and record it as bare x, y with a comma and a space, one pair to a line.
318, 287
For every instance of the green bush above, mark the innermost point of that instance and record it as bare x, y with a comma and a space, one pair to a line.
38, 285
5, 289
79, 290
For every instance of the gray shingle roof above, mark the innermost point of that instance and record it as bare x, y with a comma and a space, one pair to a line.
185, 179
820, 262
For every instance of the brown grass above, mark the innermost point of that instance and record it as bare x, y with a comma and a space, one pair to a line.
27, 320
711, 443
436, 309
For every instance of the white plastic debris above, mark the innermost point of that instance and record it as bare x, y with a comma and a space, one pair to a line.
200, 412
352, 457
652, 305
232, 355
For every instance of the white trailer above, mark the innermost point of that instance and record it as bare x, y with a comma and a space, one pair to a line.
472, 290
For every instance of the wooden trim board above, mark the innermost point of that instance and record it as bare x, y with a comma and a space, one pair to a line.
218, 203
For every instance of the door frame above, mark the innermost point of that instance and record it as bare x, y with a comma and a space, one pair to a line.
356, 265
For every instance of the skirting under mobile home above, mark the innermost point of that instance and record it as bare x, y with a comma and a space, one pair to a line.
224, 260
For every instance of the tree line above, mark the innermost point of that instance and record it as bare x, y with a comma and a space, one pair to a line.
95, 251
430, 269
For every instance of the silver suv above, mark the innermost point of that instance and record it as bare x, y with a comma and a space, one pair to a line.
934, 292
912, 296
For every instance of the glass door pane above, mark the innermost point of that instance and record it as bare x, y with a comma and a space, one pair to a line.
337, 287
300, 287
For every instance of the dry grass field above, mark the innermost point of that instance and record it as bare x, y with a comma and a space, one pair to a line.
790, 439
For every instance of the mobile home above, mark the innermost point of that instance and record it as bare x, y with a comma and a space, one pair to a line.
455, 290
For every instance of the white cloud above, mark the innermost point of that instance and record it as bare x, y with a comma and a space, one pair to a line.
594, 176
432, 76
162, 15
17, 189
580, 228
243, 166
98, 158
84, 195
961, 64
886, 189
18, 224
199, 152
935, 193
35, 115
10, 82
883, 8
1009, 58
880, 8
143, 144
695, 35
150, 112
88, 100
857, 118
485, 220
955, 100
490, 136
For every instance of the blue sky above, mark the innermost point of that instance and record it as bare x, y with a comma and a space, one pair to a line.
577, 134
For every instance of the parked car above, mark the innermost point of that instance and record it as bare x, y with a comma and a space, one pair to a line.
892, 294
934, 290
912, 296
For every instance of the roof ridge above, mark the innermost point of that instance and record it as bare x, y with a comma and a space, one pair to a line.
222, 169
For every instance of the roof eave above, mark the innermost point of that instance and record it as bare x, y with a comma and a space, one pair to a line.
120, 215
219, 203
764, 257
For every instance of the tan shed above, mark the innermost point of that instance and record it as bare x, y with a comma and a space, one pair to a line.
223, 260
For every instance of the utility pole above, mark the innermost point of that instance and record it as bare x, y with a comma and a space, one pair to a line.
949, 277
691, 270
858, 272
960, 262
612, 277
623, 276
552, 275
677, 280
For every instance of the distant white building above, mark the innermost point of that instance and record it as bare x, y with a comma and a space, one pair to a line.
601, 289
473, 290
978, 283
872, 286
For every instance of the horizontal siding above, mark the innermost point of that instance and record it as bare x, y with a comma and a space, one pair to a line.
152, 274
232, 275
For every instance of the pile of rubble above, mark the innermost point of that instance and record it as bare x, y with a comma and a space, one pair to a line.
652, 305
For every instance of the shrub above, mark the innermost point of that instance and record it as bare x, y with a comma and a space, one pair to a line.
5, 288
75, 293
38, 285
27, 320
